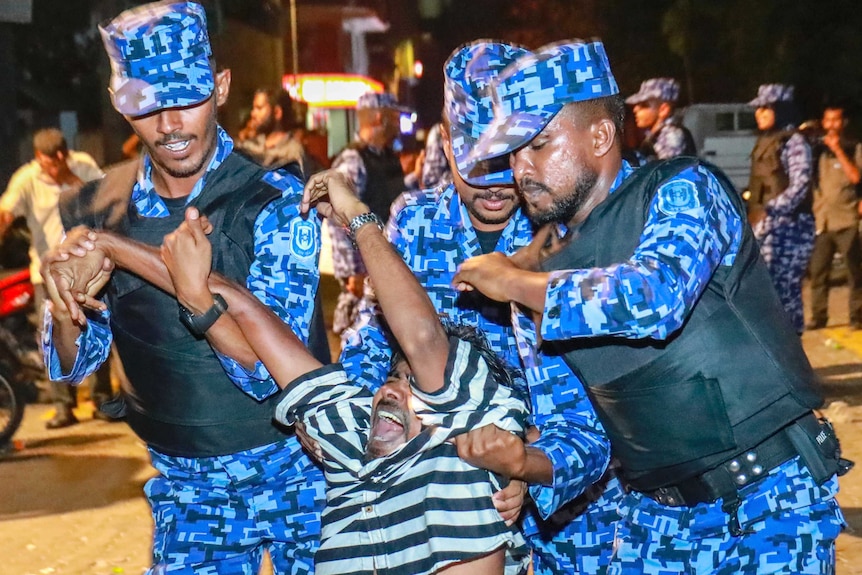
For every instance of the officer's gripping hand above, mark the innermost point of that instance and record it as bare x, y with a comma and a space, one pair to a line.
74, 273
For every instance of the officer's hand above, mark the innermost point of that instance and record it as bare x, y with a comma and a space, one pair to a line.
75, 272
544, 243
310, 445
484, 273
494, 449
334, 196
509, 500
187, 253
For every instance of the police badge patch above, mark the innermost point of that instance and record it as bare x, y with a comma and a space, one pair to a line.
302, 239
677, 196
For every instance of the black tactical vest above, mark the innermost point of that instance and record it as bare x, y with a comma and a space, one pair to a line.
768, 178
732, 376
180, 401
385, 179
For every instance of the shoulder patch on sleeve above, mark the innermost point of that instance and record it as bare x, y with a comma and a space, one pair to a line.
302, 239
677, 196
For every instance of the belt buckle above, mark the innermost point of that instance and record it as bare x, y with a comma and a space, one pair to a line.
668, 496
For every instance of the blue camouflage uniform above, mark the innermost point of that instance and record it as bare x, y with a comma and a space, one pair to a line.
786, 234
780, 186
640, 298
784, 522
213, 514
225, 507
346, 260
668, 138
432, 232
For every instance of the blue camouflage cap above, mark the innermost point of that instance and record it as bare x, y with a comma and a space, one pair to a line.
376, 100
468, 103
159, 57
530, 92
663, 89
768, 94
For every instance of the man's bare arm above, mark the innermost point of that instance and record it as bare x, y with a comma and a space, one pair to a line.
411, 316
146, 261
187, 256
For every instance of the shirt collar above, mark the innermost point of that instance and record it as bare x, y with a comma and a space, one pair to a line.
150, 204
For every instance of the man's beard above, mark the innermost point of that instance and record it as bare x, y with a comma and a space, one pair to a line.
208, 136
563, 208
267, 126
374, 448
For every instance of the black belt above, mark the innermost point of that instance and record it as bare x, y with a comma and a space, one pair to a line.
725, 480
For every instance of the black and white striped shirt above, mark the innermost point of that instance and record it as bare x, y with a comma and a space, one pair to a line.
420, 508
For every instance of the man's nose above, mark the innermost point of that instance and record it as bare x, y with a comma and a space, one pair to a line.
170, 121
520, 164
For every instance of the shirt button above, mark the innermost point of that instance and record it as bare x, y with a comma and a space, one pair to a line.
369, 508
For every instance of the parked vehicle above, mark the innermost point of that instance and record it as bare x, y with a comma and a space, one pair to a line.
724, 135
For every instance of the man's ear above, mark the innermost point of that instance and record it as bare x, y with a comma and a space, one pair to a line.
222, 86
604, 133
277, 114
664, 110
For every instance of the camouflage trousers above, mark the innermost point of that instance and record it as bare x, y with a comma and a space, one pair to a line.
789, 525
579, 538
786, 251
216, 515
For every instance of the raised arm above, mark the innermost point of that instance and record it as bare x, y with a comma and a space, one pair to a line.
187, 257
411, 316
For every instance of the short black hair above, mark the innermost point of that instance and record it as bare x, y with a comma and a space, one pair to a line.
505, 374
610, 107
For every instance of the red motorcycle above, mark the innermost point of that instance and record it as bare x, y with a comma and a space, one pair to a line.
20, 362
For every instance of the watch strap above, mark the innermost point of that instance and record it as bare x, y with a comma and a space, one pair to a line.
359, 221
199, 324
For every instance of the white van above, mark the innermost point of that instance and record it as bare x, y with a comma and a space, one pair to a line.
724, 135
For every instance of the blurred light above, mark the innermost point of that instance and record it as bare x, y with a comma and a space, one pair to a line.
418, 68
408, 122
329, 90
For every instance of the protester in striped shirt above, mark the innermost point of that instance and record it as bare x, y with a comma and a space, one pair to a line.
399, 499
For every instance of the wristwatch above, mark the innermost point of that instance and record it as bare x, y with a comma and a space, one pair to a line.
361, 220
199, 324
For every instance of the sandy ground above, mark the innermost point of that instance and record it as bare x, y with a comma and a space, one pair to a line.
71, 501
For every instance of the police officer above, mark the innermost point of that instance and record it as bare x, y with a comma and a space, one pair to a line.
654, 107
435, 231
658, 298
373, 167
230, 485
779, 201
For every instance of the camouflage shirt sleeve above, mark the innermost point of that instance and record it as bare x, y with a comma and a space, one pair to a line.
572, 437
94, 346
651, 293
796, 159
284, 274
